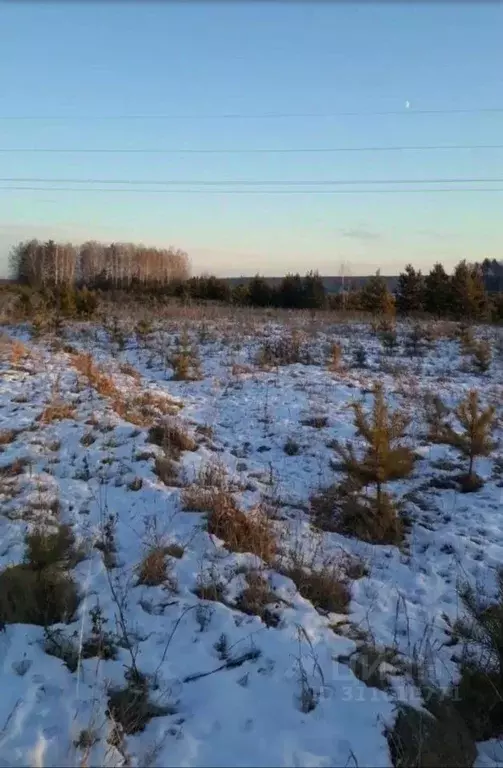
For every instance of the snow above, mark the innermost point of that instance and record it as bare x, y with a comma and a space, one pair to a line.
250, 714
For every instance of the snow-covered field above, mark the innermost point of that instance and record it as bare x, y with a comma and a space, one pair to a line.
234, 689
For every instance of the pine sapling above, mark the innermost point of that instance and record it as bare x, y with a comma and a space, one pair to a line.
385, 458
185, 361
474, 437
334, 359
414, 343
389, 340
481, 356
360, 356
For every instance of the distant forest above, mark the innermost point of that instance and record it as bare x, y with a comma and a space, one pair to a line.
61, 272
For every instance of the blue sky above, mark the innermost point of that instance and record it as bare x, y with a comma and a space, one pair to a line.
83, 62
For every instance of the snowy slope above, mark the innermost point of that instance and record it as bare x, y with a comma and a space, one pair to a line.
251, 713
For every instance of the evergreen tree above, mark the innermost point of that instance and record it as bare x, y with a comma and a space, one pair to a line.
239, 294
474, 437
290, 292
314, 294
259, 292
437, 291
375, 297
385, 458
468, 295
409, 294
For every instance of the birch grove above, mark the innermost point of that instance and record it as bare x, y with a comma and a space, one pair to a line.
97, 265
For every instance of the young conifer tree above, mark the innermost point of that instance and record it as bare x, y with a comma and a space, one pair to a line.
474, 437
385, 458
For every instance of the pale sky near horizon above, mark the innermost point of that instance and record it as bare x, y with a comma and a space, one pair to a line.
77, 64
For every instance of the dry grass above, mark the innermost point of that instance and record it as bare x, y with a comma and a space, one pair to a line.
317, 422
174, 550
210, 587
144, 409
155, 569
167, 471
141, 409
256, 598
129, 370
325, 586
39, 591
14, 469
479, 692
194, 498
56, 548
101, 382
209, 490
359, 519
288, 349
131, 706
251, 532
173, 438
8, 436
19, 353
36, 597
334, 359
87, 439
340, 509
57, 411
420, 739
136, 484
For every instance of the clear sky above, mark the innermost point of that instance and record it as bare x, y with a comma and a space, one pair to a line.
82, 63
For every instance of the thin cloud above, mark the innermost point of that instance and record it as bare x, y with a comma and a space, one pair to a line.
360, 233
435, 235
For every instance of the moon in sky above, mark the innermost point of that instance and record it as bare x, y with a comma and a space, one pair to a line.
407, 104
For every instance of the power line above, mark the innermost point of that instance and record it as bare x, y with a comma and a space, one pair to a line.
251, 191
260, 150
262, 116
248, 182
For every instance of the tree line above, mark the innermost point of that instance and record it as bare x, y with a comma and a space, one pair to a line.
97, 265
472, 292
462, 295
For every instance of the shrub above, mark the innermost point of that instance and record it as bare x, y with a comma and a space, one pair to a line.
291, 447
286, 350
131, 706
420, 739
479, 692
360, 356
318, 422
86, 303
51, 549
36, 597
